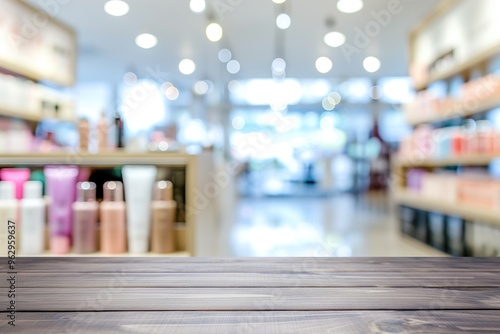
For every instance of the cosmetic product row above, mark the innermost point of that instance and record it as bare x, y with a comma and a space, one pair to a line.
434, 103
425, 142
145, 222
470, 189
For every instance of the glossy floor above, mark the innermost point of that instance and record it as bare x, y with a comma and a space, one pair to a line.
341, 225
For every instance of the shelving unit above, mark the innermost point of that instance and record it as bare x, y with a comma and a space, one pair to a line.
473, 160
449, 225
198, 170
29, 117
455, 113
415, 200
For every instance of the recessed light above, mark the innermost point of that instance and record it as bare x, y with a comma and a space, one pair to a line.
225, 55
197, 6
283, 21
187, 66
233, 66
279, 1
116, 7
146, 41
371, 64
334, 39
350, 6
324, 65
214, 32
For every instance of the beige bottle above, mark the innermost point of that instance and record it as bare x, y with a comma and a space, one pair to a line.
84, 133
163, 217
113, 222
103, 133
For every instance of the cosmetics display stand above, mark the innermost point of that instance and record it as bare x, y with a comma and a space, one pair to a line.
198, 170
429, 216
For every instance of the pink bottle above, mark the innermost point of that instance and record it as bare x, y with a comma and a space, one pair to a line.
113, 222
85, 219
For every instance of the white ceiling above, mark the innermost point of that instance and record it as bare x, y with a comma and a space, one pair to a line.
107, 48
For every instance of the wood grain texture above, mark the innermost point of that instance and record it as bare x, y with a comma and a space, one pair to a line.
120, 298
301, 295
314, 322
433, 279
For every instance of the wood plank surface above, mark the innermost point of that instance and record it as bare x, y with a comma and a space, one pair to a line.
432, 279
296, 266
120, 298
281, 295
391, 322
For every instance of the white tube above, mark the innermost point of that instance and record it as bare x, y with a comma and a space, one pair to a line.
139, 181
33, 219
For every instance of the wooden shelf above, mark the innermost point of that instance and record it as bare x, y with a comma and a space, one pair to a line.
474, 160
451, 114
48, 254
29, 116
461, 68
417, 201
104, 159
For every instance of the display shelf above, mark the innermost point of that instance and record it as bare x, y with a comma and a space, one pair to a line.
418, 201
103, 159
30, 117
455, 113
48, 254
461, 68
468, 160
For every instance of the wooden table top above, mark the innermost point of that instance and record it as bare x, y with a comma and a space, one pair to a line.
299, 295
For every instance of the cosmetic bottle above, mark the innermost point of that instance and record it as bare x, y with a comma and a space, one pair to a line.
113, 223
84, 134
102, 133
119, 131
60, 185
85, 219
139, 182
33, 209
163, 212
8, 212
18, 176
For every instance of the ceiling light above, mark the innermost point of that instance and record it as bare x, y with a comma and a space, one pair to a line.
225, 55
349, 6
187, 66
146, 41
233, 66
279, 1
201, 88
116, 7
324, 65
214, 32
172, 93
279, 65
283, 21
371, 64
334, 39
197, 6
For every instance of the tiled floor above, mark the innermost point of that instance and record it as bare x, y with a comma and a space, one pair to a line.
341, 225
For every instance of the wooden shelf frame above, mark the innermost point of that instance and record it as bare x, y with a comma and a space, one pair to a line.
454, 113
417, 201
467, 160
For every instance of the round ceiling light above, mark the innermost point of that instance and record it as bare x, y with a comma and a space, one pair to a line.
197, 6
187, 66
233, 66
334, 39
371, 64
283, 21
214, 32
324, 65
350, 6
146, 41
116, 7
